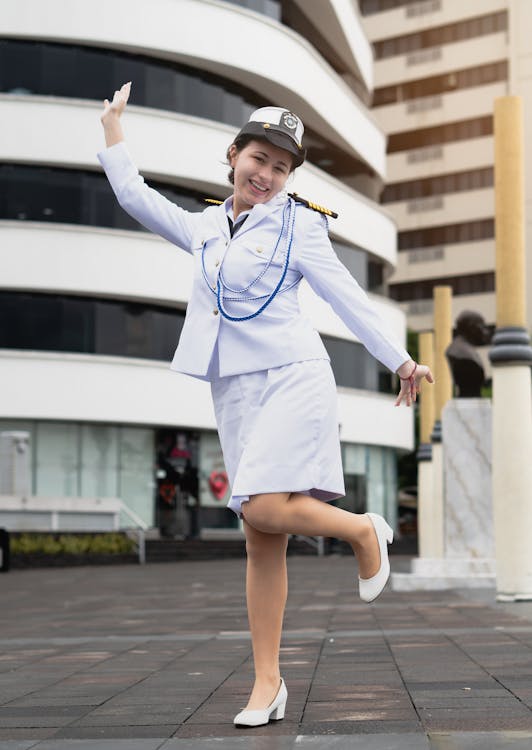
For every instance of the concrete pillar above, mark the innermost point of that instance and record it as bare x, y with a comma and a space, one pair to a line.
427, 403
511, 357
443, 391
425, 479
443, 335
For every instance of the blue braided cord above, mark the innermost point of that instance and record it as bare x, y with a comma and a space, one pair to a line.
243, 299
262, 296
261, 274
274, 293
241, 291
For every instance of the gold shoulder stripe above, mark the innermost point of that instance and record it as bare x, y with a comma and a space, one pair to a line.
213, 200
313, 206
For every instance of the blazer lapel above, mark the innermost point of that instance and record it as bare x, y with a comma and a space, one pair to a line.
221, 221
259, 212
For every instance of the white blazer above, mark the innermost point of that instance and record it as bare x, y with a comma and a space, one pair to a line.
281, 334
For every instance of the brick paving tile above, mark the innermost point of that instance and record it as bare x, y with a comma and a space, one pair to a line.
162, 653
23, 733
512, 740
116, 732
225, 729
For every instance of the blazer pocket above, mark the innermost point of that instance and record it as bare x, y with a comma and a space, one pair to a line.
262, 252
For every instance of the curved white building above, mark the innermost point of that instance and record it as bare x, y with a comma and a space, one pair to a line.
91, 305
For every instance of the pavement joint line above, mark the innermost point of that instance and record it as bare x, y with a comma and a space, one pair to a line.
490, 674
148, 676
401, 677
432, 739
245, 635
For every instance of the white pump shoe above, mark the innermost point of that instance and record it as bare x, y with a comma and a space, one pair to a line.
370, 588
256, 717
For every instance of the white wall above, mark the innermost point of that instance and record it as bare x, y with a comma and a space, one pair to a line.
398, 21
269, 57
454, 56
179, 149
78, 387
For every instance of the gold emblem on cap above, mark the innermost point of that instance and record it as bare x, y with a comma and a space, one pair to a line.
266, 125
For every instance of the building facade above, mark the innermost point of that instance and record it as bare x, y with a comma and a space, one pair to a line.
91, 305
439, 66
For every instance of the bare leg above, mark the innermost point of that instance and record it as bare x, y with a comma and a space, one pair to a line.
266, 591
295, 513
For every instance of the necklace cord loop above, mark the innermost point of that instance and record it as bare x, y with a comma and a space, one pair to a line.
220, 298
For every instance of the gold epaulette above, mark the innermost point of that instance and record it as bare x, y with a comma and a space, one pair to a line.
313, 206
298, 199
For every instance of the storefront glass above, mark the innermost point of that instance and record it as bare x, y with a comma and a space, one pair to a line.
173, 478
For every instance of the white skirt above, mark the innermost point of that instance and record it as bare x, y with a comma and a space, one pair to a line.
279, 431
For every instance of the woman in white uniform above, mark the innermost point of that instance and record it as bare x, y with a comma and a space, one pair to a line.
273, 389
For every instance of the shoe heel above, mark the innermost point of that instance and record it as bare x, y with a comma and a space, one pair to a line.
279, 711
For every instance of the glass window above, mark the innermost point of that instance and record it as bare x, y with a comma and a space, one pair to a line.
440, 84
78, 324
451, 233
20, 66
440, 35
457, 131
74, 197
57, 458
470, 284
136, 472
356, 262
354, 458
55, 69
53, 323
352, 365
376, 479
99, 460
94, 74
59, 68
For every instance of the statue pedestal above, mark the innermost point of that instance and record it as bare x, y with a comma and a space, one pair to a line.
468, 539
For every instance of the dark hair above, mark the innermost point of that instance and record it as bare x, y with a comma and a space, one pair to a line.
241, 141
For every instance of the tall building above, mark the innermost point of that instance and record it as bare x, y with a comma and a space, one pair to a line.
92, 305
439, 66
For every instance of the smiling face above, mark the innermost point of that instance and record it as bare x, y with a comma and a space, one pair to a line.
260, 172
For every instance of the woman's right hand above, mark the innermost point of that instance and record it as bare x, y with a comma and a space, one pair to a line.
118, 105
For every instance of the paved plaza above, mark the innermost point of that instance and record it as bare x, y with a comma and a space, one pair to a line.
159, 656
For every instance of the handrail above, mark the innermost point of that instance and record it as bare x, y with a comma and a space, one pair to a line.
140, 529
23, 506
315, 541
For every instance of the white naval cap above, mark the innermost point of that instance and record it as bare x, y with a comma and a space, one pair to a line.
280, 127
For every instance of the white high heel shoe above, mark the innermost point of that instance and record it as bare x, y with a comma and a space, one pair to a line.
258, 716
370, 588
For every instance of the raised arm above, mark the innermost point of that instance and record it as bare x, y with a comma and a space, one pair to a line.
146, 205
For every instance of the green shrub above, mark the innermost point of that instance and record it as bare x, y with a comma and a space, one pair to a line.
72, 544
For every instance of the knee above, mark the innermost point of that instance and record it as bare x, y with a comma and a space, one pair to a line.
264, 547
260, 515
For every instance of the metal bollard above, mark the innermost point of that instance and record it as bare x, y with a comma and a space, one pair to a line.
4, 551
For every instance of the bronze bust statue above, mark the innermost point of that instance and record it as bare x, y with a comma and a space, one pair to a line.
465, 363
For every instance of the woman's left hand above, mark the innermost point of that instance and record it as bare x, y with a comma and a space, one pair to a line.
410, 385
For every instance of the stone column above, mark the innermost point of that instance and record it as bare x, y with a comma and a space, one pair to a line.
425, 479
511, 356
443, 391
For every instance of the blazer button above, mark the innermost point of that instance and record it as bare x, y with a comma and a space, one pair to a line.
215, 312
260, 249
